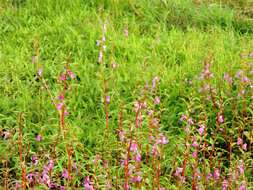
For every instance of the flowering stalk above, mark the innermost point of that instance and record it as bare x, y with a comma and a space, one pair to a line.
20, 147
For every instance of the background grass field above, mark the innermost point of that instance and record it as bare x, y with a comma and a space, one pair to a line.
167, 38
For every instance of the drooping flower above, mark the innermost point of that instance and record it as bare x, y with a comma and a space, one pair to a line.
87, 184
38, 138
138, 157
241, 167
40, 72
225, 184
154, 150
195, 144
63, 77
136, 179
183, 118
100, 57
59, 106
133, 147
154, 82
61, 97
35, 159
209, 176
244, 146
201, 129
162, 140
121, 135
157, 100
6, 134
239, 141
30, 178
243, 186
178, 171
66, 174
195, 154
107, 99
18, 185
71, 74
216, 174
190, 121
220, 118
50, 164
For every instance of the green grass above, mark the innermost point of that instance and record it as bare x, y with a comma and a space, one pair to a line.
167, 38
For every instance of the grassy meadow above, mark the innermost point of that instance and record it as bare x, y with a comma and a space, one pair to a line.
126, 94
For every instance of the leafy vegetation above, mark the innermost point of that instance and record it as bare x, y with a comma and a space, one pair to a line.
111, 94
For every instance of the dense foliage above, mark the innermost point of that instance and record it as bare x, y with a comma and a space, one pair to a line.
113, 94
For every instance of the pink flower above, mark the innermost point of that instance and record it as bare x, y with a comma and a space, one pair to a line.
162, 140
245, 80
71, 74
155, 122
63, 77
30, 178
136, 179
87, 184
35, 159
243, 186
216, 174
61, 97
46, 179
178, 171
154, 150
66, 112
59, 106
121, 135
18, 185
50, 164
150, 112
220, 118
6, 134
157, 100
154, 81
209, 176
201, 129
241, 167
225, 185
38, 138
244, 146
66, 174
239, 141
107, 99
187, 129
239, 74
195, 154
103, 39
138, 157
100, 57
40, 71
190, 121
183, 118
133, 147
195, 144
